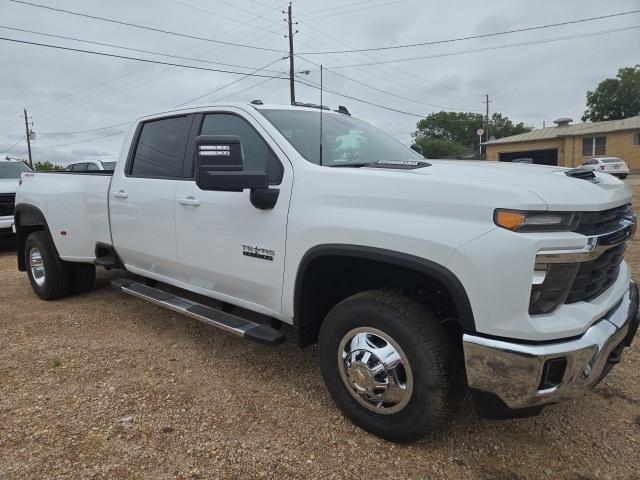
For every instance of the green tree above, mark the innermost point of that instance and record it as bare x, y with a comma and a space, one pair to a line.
441, 148
615, 98
501, 127
452, 134
46, 167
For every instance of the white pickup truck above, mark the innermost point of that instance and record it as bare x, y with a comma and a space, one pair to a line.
414, 277
10, 171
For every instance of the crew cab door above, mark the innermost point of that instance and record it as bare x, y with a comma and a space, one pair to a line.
142, 195
226, 246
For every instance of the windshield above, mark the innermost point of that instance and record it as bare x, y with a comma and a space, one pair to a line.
345, 140
12, 170
109, 165
611, 160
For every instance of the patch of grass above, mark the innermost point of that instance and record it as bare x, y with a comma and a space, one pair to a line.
56, 363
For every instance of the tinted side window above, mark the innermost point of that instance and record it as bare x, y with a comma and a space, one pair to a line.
257, 156
79, 167
92, 166
160, 147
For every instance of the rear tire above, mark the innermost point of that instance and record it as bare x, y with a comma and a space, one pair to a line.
417, 398
48, 277
623, 176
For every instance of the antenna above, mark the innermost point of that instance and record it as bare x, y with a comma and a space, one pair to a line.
321, 110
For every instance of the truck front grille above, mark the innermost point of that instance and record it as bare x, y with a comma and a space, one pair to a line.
597, 223
596, 276
7, 204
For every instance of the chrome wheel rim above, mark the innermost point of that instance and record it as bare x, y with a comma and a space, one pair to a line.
36, 264
375, 370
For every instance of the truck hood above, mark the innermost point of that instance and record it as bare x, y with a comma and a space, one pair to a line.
550, 184
9, 185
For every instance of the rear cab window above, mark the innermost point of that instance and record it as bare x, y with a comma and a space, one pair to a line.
160, 147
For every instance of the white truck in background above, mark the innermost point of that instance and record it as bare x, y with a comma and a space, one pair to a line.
10, 171
90, 166
414, 277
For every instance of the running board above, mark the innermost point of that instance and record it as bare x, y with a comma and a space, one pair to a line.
230, 323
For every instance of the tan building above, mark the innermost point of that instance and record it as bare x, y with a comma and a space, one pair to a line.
569, 145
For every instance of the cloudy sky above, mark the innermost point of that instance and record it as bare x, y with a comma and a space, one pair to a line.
66, 92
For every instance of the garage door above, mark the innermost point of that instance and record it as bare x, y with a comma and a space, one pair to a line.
540, 157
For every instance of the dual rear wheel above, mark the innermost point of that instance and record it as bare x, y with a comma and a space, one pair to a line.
50, 277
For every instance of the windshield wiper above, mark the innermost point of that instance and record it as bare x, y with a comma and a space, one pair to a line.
354, 165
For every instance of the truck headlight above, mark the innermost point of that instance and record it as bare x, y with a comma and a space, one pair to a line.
536, 221
550, 286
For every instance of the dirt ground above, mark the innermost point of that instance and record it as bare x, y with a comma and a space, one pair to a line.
106, 386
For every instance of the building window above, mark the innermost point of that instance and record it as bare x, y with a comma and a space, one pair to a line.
636, 139
593, 146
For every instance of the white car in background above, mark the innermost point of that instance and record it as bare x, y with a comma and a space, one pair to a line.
91, 166
10, 171
613, 165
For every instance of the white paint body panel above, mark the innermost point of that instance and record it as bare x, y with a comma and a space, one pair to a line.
442, 213
75, 204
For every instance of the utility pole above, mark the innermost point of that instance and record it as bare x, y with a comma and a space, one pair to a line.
292, 86
28, 136
487, 101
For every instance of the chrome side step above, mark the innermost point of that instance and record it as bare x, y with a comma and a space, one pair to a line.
230, 323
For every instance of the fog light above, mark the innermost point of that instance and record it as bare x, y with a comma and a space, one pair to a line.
552, 373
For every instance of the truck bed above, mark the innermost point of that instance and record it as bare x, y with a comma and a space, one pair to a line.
76, 206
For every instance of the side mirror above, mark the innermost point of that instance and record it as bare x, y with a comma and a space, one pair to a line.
218, 160
218, 166
416, 148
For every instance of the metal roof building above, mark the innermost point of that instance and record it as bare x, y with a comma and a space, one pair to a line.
570, 145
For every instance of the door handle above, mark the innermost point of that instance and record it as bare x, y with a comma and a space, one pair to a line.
120, 194
189, 201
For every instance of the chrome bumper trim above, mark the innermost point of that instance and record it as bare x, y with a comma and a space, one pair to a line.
513, 371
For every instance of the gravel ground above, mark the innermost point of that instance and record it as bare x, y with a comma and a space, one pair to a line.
106, 386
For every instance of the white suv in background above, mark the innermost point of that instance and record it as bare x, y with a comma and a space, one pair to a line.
91, 166
613, 165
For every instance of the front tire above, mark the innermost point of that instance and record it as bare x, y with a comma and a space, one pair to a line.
623, 176
48, 278
388, 365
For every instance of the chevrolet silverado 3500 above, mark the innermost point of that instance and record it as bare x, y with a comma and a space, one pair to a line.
415, 277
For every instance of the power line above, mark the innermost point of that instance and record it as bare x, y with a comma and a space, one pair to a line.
193, 67
143, 27
84, 141
395, 78
495, 47
257, 16
11, 147
344, 95
231, 83
421, 80
356, 10
262, 82
473, 37
83, 131
218, 15
116, 90
123, 47
336, 8
391, 93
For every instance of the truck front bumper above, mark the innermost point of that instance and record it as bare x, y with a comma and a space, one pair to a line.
507, 376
